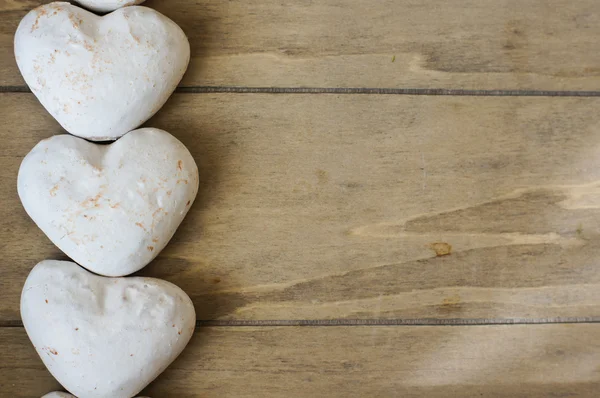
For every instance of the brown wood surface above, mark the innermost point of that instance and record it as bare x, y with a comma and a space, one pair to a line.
437, 362
362, 206
468, 44
340, 209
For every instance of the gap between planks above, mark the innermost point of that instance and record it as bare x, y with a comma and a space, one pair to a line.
359, 90
378, 322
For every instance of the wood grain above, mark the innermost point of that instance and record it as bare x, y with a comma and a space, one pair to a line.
473, 361
357, 207
469, 44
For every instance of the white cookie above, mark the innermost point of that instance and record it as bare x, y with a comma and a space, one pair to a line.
100, 77
60, 394
107, 5
110, 208
104, 337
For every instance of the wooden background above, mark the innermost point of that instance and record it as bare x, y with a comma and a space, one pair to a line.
399, 198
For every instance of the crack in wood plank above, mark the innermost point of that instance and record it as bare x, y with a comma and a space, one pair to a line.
362, 90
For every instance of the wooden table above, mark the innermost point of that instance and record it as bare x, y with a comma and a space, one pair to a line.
399, 198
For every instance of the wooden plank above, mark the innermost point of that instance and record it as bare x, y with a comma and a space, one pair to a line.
321, 207
469, 44
468, 361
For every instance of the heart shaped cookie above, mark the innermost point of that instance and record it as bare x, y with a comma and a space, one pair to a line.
107, 5
104, 337
100, 77
60, 394
111, 208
